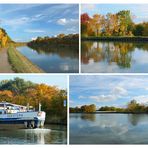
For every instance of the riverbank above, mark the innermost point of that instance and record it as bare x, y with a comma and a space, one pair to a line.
19, 63
115, 38
56, 120
5, 66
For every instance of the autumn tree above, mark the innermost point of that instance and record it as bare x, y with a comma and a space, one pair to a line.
118, 24
84, 24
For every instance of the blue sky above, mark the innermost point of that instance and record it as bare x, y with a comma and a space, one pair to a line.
139, 11
24, 22
58, 80
107, 90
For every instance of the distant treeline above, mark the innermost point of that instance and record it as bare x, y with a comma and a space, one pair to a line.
85, 108
132, 107
62, 40
21, 92
118, 24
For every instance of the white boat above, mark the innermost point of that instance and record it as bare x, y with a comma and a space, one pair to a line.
18, 114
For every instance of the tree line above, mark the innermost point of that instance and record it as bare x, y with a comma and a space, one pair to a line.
132, 107
20, 91
85, 108
118, 24
60, 40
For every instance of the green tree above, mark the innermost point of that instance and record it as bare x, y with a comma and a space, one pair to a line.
138, 31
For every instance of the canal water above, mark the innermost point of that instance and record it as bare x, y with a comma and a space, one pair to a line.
119, 57
51, 134
108, 128
58, 60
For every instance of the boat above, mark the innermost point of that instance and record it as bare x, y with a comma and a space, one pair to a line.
21, 115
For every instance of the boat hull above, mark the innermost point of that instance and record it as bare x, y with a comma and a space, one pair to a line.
28, 119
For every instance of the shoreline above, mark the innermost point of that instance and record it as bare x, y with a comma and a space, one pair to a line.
116, 39
20, 63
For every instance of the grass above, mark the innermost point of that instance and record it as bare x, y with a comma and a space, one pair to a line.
20, 64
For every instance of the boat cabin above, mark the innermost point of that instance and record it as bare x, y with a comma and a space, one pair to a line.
9, 108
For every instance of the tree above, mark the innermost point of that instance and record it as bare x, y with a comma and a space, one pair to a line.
138, 31
88, 108
17, 85
85, 24
61, 35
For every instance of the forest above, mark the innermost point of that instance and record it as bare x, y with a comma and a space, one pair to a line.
52, 99
61, 40
118, 24
132, 107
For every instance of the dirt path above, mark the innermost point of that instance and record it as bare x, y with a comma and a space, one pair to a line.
5, 67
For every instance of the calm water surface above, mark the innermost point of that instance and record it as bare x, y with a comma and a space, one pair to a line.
109, 128
56, 61
51, 134
114, 57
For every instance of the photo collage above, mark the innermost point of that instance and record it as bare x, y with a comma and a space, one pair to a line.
73, 74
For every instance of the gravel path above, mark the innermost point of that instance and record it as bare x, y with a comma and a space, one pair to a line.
5, 67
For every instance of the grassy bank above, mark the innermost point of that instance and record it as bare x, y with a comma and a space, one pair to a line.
115, 38
19, 63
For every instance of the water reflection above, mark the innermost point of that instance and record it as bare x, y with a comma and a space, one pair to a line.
137, 119
62, 51
109, 129
89, 117
118, 55
33, 136
53, 60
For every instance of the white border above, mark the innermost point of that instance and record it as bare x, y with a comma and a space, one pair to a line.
74, 2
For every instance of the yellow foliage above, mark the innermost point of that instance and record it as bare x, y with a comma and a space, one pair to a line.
4, 41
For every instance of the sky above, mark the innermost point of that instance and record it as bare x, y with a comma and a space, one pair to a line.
53, 80
139, 11
107, 90
24, 22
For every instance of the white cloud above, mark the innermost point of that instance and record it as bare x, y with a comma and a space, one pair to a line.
22, 20
119, 91
34, 31
104, 98
141, 99
116, 93
15, 22
64, 21
34, 38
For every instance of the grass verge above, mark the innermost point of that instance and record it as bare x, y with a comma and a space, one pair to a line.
20, 64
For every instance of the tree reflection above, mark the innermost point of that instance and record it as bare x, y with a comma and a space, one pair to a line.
110, 52
62, 51
135, 119
89, 117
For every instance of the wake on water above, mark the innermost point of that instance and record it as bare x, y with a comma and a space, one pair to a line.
37, 130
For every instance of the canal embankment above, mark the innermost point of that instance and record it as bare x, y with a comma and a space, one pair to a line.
19, 63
